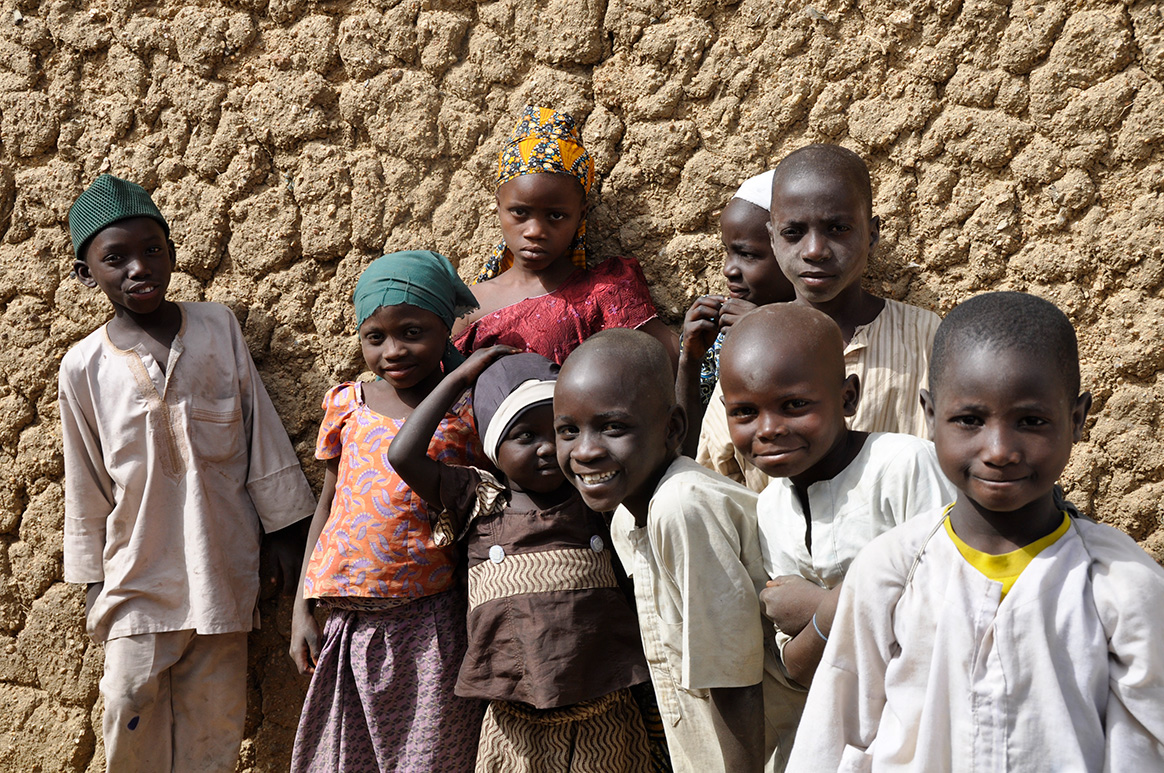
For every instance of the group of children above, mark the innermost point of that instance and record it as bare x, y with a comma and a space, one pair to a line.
531, 557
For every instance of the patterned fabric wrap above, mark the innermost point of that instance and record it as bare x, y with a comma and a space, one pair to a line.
543, 141
598, 736
382, 694
612, 294
709, 369
378, 541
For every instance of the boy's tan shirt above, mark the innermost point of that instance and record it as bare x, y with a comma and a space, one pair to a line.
891, 358
168, 476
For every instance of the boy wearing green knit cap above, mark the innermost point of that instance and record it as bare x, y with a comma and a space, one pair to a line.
176, 464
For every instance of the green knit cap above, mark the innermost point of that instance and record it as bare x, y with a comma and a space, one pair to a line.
103, 203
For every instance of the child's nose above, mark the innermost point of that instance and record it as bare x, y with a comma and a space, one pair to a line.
535, 228
999, 447
769, 427
731, 268
815, 247
586, 448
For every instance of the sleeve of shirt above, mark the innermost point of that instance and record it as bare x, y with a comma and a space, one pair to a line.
700, 545
466, 493
715, 450
848, 691
89, 498
275, 480
1129, 593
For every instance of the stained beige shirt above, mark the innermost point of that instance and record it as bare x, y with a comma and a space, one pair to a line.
697, 569
168, 476
890, 357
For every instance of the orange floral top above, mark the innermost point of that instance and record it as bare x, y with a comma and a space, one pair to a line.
378, 541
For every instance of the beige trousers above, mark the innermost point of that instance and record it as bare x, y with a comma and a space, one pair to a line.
174, 702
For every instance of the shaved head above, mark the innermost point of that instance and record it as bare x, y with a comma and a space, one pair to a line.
787, 331
630, 356
831, 160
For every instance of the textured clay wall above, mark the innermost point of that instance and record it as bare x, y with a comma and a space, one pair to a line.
1013, 145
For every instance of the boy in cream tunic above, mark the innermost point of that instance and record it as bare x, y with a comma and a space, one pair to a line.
175, 465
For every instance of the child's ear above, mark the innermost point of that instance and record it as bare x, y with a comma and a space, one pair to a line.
173, 252
927, 401
874, 231
676, 428
1079, 416
84, 275
851, 395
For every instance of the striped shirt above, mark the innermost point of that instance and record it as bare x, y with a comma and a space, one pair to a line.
891, 358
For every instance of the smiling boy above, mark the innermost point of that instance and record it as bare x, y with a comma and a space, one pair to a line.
999, 633
688, 537
823, 232
834, 489
175, 465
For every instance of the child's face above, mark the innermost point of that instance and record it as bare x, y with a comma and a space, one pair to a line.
540, 214
527, 453
751, 269
1003, 425
130, 261
821, 233
614, 442
786, 415
403, 344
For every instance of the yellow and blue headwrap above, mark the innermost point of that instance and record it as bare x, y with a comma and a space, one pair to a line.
543, 141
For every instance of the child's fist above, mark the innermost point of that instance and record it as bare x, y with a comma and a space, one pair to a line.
701, 325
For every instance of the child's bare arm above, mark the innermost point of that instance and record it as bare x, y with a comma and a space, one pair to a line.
280, 565
790, 601
305, 634
802, 655
408, 453
741, 710
700, 328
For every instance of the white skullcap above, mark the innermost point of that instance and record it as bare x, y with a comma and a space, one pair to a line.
757, 190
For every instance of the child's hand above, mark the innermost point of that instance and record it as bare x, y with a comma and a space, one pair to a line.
305, 636
731, 311
701, 326
279, 561
790, 601
471, 369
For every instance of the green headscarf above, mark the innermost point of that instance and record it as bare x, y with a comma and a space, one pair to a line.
420, 278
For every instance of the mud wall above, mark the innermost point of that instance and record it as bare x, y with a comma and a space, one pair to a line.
1013, 145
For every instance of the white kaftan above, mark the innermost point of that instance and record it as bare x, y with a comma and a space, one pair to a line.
928, 669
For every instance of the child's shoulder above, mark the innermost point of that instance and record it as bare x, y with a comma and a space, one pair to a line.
905, 316
686, 483
1118, 561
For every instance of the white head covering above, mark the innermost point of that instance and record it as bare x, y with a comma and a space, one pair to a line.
527, 395
757, 190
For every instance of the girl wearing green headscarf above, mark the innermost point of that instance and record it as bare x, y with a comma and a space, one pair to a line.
384, 667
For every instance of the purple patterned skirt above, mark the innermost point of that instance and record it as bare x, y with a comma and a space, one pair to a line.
382, 695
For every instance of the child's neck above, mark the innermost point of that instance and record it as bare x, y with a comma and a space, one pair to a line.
154, 332
639, 504
842, 453
546, 280
398, 404
520, 499
995, 533
852, 308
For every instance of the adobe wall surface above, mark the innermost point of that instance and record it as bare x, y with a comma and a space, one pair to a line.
1013, 145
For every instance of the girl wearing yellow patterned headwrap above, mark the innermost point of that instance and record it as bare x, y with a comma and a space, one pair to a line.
543, 141
554, 298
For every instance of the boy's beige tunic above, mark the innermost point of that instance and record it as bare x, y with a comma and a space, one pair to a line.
697, 570
891, 358
168, 476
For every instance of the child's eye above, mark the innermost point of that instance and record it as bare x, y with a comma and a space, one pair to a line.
557, 216
566, 432
1033, 421
796, 405
614, 428
742, 414
966, 421
517, 212
839, 228
790, 233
